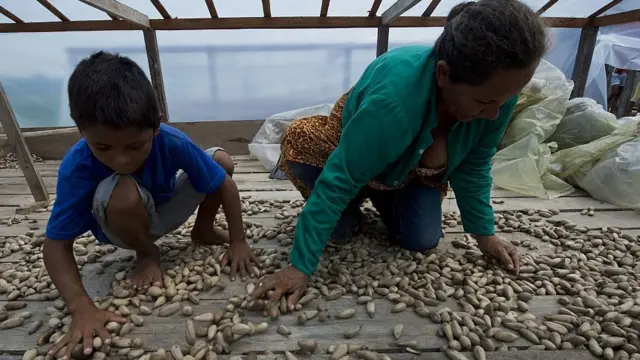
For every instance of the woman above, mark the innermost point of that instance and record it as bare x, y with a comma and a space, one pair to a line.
618, 79
417, 119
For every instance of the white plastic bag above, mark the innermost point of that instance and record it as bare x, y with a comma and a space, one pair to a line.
584, 121
616, 178
266, 143
541, 105
522, 162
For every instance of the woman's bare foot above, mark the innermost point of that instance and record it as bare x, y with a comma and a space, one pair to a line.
147, 270
208, 235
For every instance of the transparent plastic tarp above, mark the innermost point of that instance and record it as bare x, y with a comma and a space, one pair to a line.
232, 74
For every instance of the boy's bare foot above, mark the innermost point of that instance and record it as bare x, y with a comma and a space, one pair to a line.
208, 235
147, 270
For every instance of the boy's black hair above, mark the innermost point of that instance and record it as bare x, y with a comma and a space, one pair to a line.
481, 37
112, 90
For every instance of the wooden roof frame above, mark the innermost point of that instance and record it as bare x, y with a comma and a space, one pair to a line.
127, 18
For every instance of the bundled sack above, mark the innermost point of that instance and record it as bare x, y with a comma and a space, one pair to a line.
584, 121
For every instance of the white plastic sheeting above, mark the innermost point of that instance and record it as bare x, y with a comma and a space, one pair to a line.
230, 74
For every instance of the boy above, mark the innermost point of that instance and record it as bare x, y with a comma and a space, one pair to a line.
131, 180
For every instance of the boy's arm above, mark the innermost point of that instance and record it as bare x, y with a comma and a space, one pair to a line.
208, 177
62, 268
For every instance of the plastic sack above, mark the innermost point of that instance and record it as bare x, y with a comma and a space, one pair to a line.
265, 145
584, 121
573, 163
523, 167
522, 162
541, 105
616, 178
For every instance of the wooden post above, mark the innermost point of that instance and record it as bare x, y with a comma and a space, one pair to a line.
16, 139
625, 97
383, 40
153, 55
584, 55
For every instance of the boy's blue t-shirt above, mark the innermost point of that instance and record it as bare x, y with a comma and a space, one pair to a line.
80, 173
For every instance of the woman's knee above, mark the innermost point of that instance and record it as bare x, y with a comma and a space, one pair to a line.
419, 241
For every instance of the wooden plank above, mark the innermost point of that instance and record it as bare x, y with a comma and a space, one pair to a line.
14, 135
324, 8
382, 44
615, 19
266, 8
310, 22
233, 136
431, 8
49, 6
498, 355
375, 332
374, 8
212, 9
396, 10
546, 6
587, 44
10, 15
161, 9
605, 8
120, 10
155, 68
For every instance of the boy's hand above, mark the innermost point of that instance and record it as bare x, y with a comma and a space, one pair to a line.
84, 323
239, 256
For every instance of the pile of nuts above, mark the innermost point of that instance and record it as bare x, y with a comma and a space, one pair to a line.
594, 274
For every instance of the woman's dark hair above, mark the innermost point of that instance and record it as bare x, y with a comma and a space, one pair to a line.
488, 35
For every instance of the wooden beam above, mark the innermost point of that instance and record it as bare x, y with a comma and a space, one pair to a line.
266, 8
374, 7
584, 55
382, 44
397, 9
616, 19
153, 56
324, 9
546, 6
431, 8
16, 139
604, 9
311, 22
120, 10
161, 9
11, 15
625, 97
52, 9
212, 9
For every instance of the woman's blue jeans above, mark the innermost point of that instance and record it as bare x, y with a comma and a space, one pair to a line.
412, 215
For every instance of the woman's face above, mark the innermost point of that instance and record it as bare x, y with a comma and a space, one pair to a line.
467, 102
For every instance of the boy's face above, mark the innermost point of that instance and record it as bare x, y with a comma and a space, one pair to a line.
124, 150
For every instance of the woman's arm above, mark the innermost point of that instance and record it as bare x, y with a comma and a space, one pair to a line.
372, 139
471, 180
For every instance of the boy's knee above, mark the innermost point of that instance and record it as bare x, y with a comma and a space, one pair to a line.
125, 198
223, 159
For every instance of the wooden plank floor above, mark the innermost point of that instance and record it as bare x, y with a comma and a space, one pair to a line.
252, 179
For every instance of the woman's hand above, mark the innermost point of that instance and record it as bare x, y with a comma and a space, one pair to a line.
85, 322
505, 252
239, 257
287, 281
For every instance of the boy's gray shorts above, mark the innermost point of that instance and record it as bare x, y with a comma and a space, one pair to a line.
164, 218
